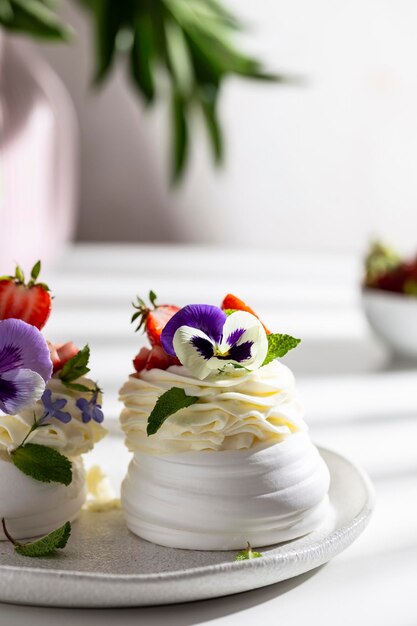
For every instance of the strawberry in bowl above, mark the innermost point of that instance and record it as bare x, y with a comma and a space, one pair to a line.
389, 299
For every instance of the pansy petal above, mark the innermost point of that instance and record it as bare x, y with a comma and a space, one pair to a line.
20, 389
204, 317
23, 346
188, 343
251, 346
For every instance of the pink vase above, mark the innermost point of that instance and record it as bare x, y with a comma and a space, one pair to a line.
38, 158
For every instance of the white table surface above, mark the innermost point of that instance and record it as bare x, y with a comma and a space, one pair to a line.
359, 402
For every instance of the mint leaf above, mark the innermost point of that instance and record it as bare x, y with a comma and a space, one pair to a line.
248, 554
78, 387
169, 403
279, 345
76, 367
42, 463
56, 540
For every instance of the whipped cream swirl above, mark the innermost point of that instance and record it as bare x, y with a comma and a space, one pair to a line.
71, 439
236, 410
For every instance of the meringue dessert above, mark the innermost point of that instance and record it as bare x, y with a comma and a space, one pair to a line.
221, 452
50, 414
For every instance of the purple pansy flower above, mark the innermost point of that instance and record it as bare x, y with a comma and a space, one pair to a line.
53, 408
25, 365
90, 409
204, 339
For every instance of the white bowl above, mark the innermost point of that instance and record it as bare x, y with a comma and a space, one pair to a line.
393, 318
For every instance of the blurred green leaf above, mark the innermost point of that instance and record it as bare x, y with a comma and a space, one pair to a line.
180, 135
208, 105
109, 16
183, 47
142, 56
6, 11
33, 17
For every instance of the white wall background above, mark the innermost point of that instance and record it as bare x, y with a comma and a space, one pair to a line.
325, 165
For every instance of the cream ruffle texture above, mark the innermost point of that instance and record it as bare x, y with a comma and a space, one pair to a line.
235, 411
221, 500
70, 439
32, 508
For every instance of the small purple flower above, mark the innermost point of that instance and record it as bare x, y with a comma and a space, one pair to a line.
205, 339
53, 408
90, 410
25, 365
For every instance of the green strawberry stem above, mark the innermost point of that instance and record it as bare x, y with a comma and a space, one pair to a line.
19, 276
143, 310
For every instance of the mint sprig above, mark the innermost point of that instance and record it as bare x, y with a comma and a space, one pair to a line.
75, 367
42, 463
279, 345
55, 540
167, 404
248, 554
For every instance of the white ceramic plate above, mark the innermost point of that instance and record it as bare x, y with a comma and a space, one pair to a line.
104, 565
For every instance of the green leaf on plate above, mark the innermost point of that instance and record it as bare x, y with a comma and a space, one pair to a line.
56, 540
248, 554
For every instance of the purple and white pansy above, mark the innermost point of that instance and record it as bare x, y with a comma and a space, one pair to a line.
25, 365
205, 339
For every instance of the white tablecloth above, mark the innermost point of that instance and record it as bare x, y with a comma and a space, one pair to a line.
358, 400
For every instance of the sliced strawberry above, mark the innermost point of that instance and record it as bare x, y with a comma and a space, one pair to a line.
152, 358
67, 351
56, 361
156, 321
139, 362
158, 358
61, 353
234, 303
153, 319
29, 302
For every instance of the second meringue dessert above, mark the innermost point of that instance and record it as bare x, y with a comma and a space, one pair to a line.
50, 415
221, 452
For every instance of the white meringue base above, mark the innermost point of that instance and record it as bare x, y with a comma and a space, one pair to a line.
32, 508
220, 500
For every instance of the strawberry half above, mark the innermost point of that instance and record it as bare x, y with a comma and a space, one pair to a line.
61, 353
29, 302
232, 302
153, 318
155, 357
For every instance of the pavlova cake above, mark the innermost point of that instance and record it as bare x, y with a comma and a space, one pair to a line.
221, 452
50, 414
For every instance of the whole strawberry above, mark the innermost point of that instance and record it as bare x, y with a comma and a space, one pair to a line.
153, 318
30, 302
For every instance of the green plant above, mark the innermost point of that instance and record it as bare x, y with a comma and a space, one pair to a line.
181, 50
